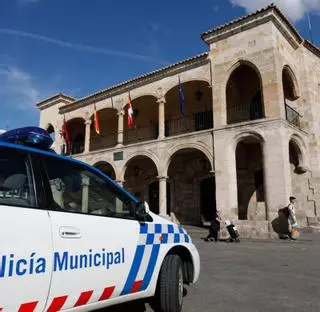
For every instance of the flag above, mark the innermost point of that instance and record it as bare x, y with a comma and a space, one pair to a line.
66, 135
96, 120
181, 98
130, 113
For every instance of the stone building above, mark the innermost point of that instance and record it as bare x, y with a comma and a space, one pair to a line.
249, 137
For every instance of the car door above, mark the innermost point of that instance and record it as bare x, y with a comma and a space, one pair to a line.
25, 236
95, 234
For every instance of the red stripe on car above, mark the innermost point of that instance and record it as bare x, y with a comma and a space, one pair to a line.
107, 293
57, 304
84, 298
28, 307
136, 286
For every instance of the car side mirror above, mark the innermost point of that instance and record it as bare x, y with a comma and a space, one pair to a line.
141, 212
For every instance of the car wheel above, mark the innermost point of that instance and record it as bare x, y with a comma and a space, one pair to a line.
169, 296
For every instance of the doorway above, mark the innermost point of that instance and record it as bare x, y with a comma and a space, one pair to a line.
208, 198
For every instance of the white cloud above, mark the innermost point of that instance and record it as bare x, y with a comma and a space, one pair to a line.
215, 8
17, 88
82, 47
294, 9
27, 1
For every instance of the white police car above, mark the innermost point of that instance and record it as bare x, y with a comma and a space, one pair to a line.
73, 240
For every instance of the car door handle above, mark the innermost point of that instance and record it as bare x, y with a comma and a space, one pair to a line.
69, 232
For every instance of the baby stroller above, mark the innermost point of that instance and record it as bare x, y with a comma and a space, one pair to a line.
233, 232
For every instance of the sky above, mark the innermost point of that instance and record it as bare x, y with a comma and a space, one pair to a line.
82, 46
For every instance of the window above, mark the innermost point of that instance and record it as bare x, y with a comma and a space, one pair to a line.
77, 188
16, 184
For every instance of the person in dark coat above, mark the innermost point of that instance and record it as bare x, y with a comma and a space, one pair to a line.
214, 228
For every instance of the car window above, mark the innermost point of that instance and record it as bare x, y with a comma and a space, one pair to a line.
16, 183
77, 188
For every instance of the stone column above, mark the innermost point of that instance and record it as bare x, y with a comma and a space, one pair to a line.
87, 135
226, 176
120, 127
219, 102
161, 118
162, 196
277, 176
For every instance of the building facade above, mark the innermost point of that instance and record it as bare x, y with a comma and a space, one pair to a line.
248, 139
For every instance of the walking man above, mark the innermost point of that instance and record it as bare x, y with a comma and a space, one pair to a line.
292, 221
214, 228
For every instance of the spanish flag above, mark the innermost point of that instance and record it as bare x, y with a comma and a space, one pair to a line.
130, 113
96, 120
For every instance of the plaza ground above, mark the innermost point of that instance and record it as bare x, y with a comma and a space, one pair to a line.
254, 276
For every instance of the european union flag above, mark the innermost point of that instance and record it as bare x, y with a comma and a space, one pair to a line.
181, 98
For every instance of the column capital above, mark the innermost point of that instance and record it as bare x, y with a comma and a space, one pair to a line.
88, 122
121, 112
161, 100
120, 182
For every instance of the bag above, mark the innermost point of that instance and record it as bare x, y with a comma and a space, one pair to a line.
295, 233
285, 211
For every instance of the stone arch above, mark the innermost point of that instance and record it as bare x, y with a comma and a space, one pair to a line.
137, 97
145, 120
108, 123
140, 175
297, 153
193, 186
50, 129
197, 110
142, 153
197, 146
250, 176
255, 134
188, 79
243, 99
289, 84
76, 129
106, 168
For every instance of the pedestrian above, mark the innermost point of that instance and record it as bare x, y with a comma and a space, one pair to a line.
214, 228
292, 221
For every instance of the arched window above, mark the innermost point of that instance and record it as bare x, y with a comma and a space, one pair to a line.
244, 95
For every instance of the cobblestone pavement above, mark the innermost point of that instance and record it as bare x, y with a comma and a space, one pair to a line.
253, 276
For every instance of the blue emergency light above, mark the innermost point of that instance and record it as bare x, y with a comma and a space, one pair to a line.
30, 136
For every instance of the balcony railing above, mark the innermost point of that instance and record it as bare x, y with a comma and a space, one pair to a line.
76, 148
293, 116
196, 122
103, 141
193, 123
245, 112
140, 134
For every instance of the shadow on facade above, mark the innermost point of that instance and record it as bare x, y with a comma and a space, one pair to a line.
250, 180
193, 197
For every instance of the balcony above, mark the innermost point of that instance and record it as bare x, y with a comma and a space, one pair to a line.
140, 134
76, 148
293, 116
98, 142
196, 122
245, 112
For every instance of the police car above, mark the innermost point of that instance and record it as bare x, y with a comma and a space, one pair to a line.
73, 240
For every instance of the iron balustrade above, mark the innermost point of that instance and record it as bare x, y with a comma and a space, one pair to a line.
192, 123
103, 141
245, 112
138, 134
293, 116
75, 148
